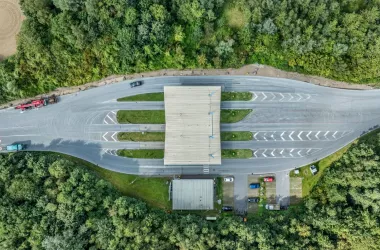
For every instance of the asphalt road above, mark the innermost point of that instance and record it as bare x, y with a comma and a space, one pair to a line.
294, 123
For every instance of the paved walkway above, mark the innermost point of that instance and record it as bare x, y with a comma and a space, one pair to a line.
241, 193
283, 188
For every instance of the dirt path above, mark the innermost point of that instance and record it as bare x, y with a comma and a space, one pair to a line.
252, 69
10, 22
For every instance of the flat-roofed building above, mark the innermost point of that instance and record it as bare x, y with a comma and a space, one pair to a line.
192, 129
193, 194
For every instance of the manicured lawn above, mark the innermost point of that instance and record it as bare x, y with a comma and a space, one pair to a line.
142, 153
141, 116
236, 153
309, 180
236, 96
141, 136
149, 97
233, 115
236, 136
152, 190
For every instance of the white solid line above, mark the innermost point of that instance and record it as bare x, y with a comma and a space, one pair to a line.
20, 135
317, 134
299, 135
282, 97
335, 134
113, 112
112, 136
105, 137
265, 97
308, 135
111, 119
291, 135
105, 121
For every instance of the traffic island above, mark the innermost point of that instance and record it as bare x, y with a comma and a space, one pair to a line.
233, 115
142, 153
236, 136
141, 136
141, 116
236, 153
159, 97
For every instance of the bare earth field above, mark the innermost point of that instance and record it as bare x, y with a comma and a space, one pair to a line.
10, 22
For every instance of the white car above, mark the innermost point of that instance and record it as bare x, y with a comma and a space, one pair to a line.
228, 179
313, 169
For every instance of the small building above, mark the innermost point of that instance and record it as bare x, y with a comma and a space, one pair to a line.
193, 194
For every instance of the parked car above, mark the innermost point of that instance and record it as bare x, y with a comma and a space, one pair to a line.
254, 185
254, 199
313, 169
268, 179
228, 179
284, 207
227, 208
136, 84
272, 207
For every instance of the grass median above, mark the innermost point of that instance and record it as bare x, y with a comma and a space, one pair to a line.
159, 97
141, 136
141, 116
236, 153
142, 153
233, 115
236, 136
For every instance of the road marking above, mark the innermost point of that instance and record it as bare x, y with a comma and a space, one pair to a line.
265, 137
272, 152
263, 153
291, 135
317, 134
290, 153
299, 153
254, 95
254, 136
105, 137
274, 96
105, 121
326, 134
282, 151
113, 112
111, 119
299, 135
300, 97
308, 97
308, 151
112, 136
335, 134
282, 97
255, 153
282, 135
290, 96
265, 97
308, 135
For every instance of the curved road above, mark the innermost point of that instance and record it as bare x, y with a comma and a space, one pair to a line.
294, 123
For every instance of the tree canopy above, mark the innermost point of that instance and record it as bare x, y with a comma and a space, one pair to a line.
49, 202
71, 42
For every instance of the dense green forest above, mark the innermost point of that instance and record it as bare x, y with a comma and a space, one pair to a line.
49, 202
71, 42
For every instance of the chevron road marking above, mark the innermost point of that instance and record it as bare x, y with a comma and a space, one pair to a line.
111, 119
255, 153
282, 97
308, 135
274, 96
265, 97
254, 95
112, 136
317, 134
335, 134
282, 151
105, 137
299, 135
254, 136
326, 134
308, 96
299, 153
290, 96
263, 153
308, 151
299, 97
265, 137
282, 135
291, 152
291, 135
272, 152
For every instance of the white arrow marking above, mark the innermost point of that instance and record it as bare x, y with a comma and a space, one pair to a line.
291, 135
264, 153
326, 134
300, 97
282, 97
308, 151
290, 96
335, 134
299, 135
299, 153
317, 134
308, 135
254, 136
265, 97
254, 95
274, 96
282, 135
112, 136
105, 137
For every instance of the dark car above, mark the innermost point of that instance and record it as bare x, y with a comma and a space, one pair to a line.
136, 84
227, 208
254, 185
284, 207
254, 199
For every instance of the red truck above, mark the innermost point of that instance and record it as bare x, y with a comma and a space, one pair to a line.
38, 103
